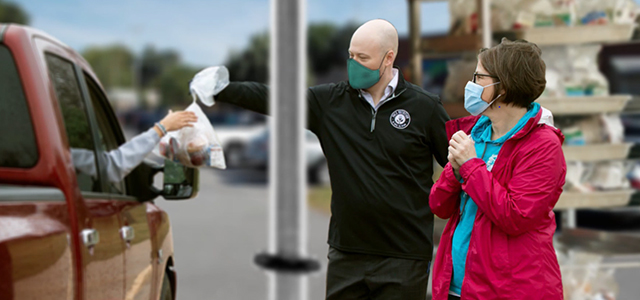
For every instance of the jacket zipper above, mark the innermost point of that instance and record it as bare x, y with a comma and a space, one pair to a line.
374, 112
470, 237
373, 119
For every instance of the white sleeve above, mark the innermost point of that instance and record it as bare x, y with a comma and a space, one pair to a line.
84, 161
120, 162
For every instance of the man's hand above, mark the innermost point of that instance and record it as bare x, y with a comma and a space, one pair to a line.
461, 148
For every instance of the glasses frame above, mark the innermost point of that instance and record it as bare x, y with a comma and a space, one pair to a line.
487, 75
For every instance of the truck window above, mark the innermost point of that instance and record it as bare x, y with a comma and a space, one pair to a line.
18, 147
106, 136
76, 121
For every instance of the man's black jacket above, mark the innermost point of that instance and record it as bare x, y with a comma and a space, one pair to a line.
380, 163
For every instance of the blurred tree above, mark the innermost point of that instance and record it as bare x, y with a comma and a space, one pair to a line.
162, 70
112, 64
12, 13
154, 63
340, 41
327, 47
319, 46
173, 85
252, 63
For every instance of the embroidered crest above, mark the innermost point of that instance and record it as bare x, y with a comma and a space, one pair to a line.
400, 119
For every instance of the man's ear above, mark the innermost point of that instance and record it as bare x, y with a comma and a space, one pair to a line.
391, 55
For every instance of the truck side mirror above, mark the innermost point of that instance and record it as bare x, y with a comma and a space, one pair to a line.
180, 182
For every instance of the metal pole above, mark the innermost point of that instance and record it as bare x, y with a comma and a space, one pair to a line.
414, 36
288, 111
486, 23
287, 178
571, 218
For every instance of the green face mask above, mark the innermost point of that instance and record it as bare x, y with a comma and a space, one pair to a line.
361, 77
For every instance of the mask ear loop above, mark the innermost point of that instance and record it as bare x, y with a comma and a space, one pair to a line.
486, 86
381, 62
496, 98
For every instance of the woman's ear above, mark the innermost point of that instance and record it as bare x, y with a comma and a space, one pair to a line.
503, 93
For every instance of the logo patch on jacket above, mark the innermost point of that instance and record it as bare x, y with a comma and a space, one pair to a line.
400, 119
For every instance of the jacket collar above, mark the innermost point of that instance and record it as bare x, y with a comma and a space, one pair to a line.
543, 117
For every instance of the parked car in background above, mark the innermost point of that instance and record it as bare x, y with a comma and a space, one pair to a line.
66, 234
235, 139
256, 155
141, 119
235, 129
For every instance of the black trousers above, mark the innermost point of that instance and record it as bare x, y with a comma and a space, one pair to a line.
363, 276
452, 297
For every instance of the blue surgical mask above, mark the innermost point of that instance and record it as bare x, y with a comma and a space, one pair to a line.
473, 102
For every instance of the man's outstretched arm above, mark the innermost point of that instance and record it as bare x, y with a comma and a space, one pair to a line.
255, 97
248, 95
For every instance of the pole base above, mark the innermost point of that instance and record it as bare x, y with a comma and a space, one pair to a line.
281, 264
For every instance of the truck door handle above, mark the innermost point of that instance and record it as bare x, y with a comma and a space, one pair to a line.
90, 237
127, 233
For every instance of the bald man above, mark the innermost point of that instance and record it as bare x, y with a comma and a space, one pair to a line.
380, 135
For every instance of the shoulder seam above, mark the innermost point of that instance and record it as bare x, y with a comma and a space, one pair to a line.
431, 96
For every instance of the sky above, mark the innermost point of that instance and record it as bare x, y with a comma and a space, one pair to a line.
203, 31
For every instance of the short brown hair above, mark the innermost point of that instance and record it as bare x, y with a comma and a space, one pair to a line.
519, 68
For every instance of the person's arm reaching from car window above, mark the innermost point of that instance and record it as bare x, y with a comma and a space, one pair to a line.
121, 161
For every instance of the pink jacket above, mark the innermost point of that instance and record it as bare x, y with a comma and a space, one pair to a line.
511, 254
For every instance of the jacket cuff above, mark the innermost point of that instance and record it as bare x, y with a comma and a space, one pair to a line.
471, 165
152, 134
449, 175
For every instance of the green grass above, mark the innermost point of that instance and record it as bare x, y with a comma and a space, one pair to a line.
319, 198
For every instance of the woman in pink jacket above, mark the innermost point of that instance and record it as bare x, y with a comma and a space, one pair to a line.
505, 174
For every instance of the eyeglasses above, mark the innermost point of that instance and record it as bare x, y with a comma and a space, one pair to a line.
475, 74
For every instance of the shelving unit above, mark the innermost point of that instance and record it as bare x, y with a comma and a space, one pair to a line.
598, 152
585, 105
563, 106
586, 34
589, 105
574, 200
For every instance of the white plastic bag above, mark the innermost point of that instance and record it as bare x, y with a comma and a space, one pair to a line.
195, 146
208, 83
613, 128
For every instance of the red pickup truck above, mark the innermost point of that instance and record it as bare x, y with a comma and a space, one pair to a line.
65, 234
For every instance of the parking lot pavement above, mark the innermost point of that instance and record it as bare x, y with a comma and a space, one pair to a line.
217, 234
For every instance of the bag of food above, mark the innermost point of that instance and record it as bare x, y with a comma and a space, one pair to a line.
195, 146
